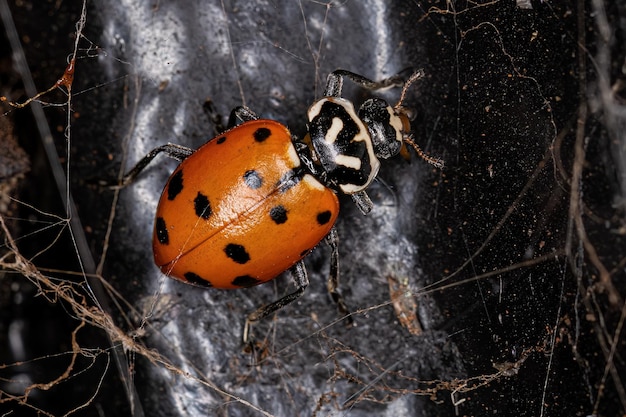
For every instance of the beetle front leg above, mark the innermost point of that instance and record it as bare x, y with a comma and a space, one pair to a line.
334, 82
362, 201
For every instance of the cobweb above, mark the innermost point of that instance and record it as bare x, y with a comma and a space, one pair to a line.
495, 285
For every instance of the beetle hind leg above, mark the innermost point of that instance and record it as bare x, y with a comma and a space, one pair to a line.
242, 113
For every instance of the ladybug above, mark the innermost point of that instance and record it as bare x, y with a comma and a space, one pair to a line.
254, 201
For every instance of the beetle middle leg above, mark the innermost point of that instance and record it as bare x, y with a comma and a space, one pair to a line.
172, 150
298, 272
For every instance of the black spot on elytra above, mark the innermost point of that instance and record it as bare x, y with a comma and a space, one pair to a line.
261, 134
237, 253
323, 217
175, 185
202, 206
253, 179
245, 281
278, 214
221, 140
161, 231
196, 279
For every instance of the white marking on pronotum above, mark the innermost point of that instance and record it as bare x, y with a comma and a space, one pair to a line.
315, 109
334, 130
350, 188
348, 161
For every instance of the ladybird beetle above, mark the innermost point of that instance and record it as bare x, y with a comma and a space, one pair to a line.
254, 201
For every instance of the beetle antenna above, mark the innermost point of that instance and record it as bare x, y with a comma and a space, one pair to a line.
434, 161
414, 77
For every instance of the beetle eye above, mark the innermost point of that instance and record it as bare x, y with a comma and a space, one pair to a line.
408, 112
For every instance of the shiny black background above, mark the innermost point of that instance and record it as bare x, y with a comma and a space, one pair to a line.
489, 243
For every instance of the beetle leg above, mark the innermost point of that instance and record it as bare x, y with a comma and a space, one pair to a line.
333, 276
298, 272
241, 113
362, 201
334, 82
178, 152
172, 150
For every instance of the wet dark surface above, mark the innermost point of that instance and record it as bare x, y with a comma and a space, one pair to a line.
505, 265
